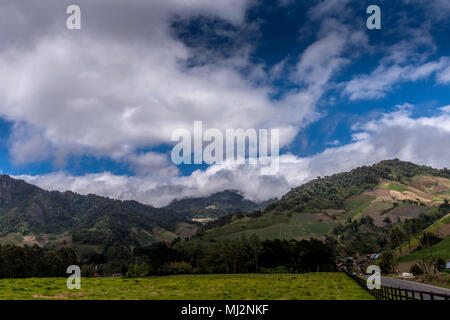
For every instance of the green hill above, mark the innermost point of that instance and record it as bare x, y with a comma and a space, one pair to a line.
357, 209
413, 250
215, 206
91, 224
441, 250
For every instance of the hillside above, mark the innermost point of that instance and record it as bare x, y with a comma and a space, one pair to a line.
91, 224
356, 208
413, 249
214, 206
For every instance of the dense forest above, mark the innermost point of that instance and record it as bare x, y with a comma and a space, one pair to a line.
244, 255
23, 262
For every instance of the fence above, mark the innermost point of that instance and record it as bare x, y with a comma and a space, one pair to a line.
391, 293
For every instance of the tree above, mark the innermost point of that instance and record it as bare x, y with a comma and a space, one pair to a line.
388, 262
396, 237
416, 270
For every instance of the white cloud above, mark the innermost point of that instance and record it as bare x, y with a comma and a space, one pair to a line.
121, 85
106, 91
328, 7
105, 94
422, 140
379, 82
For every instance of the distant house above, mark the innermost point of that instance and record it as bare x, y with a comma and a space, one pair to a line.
374, 256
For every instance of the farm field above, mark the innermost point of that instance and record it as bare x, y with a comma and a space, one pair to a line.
310, 286
283, 226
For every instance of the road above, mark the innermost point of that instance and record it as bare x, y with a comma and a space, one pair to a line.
412, 285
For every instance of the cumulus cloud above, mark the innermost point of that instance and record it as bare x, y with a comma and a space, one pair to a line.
422, 140
121, 84
108, 91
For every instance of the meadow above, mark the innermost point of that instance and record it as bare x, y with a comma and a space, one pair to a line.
270, 226
441, 250
309, 286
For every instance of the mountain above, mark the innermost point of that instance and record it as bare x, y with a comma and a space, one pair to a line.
215, 206
91, 224
356, 208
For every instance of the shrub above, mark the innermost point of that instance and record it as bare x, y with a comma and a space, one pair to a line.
176, 268
416, 270
429, 239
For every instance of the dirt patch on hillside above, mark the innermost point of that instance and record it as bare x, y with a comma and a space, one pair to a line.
379, 194
408, 212
324, 217
409, 195
31, 241
375, 215
187, 230
405, 266
333, 212
395, 214
435, 184
443, 231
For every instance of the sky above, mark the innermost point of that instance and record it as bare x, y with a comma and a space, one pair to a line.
93, 110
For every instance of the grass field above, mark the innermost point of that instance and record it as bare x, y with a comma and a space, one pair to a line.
270, 226
440, 249
397, 187
310, 286
416, 239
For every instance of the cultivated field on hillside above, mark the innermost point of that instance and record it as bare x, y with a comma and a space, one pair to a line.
310, 286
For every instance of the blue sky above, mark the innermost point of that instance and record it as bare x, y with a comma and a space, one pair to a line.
92, 110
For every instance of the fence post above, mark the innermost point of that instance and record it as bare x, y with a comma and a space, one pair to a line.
431, 295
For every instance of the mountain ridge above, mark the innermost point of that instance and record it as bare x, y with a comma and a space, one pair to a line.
27, 211
216, 205
357, 208
367, 198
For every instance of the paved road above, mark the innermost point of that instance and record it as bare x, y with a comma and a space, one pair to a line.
412, 285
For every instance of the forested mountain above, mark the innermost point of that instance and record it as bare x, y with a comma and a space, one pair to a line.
91, 224
332, 192
358, 209
216, 205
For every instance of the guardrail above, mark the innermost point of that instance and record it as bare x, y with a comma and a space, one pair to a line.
391, 293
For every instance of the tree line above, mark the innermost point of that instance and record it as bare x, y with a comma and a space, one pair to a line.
241, 255
24, 262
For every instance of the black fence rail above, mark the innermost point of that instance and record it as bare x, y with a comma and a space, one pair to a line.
391, 293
